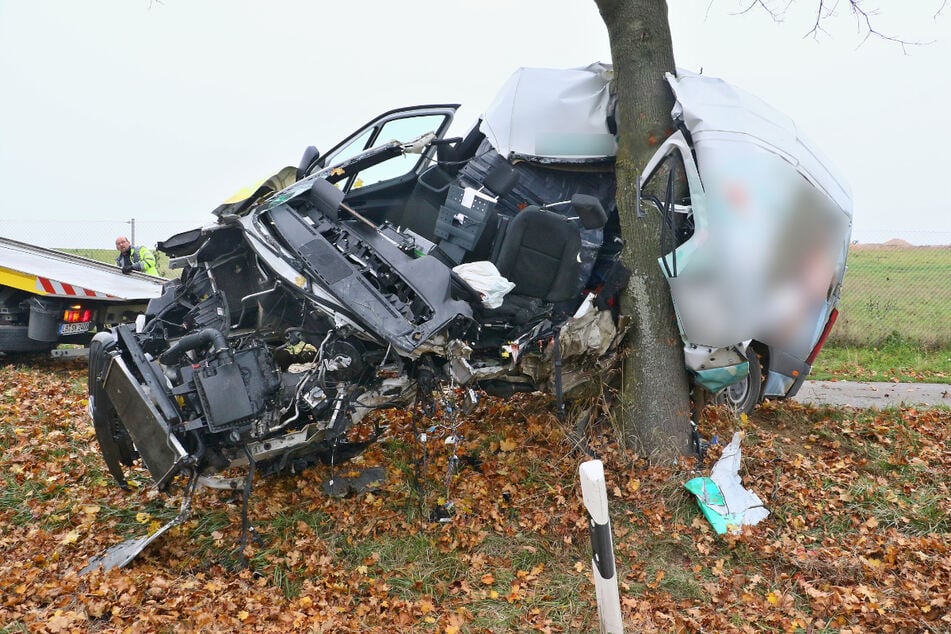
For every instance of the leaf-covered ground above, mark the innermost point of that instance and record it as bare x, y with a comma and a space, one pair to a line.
859, 536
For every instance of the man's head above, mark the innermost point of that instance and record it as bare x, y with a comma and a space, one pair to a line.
123, 245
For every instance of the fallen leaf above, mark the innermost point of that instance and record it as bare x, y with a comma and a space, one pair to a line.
70, 538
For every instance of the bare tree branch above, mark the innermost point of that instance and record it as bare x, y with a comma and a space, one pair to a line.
820, 16
863, 18
825, 10
776, 14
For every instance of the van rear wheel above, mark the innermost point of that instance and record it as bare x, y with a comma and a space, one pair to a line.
744, 396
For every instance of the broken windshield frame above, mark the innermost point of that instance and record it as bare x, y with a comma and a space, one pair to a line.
401, 124
670, 197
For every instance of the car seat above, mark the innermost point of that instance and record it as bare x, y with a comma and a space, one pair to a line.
422, 207
468, 222
539, 254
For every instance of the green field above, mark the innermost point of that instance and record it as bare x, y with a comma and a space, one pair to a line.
895, 317
896, 294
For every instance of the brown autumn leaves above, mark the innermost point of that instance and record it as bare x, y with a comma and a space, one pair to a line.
859, 536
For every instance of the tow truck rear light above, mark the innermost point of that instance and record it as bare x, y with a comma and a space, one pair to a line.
77, 315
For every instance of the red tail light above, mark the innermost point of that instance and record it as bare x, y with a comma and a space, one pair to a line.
77, 314
825, 335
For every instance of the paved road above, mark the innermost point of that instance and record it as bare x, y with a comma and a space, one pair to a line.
874, 394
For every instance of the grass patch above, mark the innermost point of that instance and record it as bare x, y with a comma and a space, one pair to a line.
669, 566
421, 568
896, 290
913, 510
897, 359
18, 499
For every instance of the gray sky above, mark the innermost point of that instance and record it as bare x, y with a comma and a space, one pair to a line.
114, 109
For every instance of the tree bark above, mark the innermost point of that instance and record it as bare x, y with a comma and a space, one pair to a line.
655, 405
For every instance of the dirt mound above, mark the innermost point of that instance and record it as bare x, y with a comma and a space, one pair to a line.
894, 243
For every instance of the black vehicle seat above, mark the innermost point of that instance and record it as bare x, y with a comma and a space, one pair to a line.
452, 157
539, 253
422, 207
500, 180
469, 229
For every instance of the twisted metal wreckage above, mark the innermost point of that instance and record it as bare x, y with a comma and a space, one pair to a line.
384, 269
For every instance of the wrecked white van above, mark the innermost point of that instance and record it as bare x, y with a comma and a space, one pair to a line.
762, 268
401, 260
757, 222
402, 268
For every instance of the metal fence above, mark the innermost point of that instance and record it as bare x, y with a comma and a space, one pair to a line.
895, 290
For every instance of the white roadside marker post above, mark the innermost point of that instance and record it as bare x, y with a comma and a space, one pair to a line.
595, 494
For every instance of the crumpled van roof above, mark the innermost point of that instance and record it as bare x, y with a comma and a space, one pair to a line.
711, 108
560, 115
547, 113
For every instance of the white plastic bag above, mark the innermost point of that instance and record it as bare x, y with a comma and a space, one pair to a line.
486, 280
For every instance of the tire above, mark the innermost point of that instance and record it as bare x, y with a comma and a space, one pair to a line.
114, 441
744, 396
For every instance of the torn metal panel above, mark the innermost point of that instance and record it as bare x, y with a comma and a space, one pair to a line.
766, 254
592, 333
161, 451
123, 553
716, 368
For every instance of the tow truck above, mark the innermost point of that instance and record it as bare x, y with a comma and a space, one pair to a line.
49, 297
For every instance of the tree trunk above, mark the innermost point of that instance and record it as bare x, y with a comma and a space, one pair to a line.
655, 406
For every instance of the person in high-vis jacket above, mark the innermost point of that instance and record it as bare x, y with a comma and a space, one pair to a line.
134, 258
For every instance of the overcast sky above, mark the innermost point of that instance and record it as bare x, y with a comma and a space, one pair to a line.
119, 109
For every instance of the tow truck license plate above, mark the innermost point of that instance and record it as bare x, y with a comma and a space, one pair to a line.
74, 329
